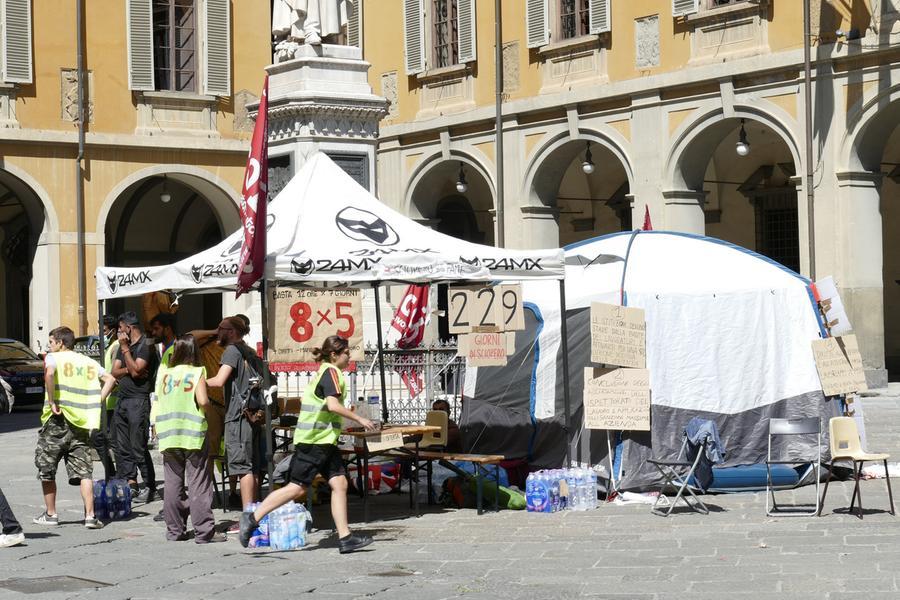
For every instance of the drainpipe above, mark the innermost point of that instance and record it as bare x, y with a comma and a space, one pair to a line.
498, 64
79, 173
807, 92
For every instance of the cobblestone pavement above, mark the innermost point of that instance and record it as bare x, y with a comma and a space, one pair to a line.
613, 552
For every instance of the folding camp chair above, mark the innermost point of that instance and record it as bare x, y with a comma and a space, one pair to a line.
778, 428
677, 474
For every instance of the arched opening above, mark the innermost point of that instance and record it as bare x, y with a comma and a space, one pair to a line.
21, 223
159, 220
749, 192
456, 199
583, 186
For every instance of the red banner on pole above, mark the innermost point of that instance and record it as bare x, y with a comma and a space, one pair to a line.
647, 225
410, 320
254, 200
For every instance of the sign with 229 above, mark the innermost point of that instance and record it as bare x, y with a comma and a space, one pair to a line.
301, 319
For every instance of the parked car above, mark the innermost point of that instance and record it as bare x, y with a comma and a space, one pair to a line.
23, 370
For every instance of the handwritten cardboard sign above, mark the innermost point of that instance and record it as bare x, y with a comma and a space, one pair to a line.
487, 309
839, 365
484, 349
385, 441
617, 399
618, 335
301, 319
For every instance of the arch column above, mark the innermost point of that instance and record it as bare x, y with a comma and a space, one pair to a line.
541, 226
684, 211
861, 279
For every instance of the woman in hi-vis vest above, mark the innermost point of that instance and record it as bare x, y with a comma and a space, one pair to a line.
181, 429
315, 445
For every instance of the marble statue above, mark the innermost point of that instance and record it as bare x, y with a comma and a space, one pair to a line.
296, 22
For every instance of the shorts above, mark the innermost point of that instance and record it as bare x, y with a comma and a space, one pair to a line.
58, 440
310, 459
243, 447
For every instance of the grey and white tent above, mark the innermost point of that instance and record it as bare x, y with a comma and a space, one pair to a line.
728, 338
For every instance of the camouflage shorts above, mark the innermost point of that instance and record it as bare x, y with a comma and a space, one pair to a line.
58, 440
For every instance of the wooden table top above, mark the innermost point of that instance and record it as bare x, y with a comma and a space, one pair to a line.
388, 428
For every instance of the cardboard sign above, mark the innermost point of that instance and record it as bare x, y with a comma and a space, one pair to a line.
509, 341
484, 349
617, 399
301, 319
618, 335
839, 365
485, 309
385, 441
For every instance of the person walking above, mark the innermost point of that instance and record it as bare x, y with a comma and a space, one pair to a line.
315, 442
11, 533
72, 407
134, 369
181, 428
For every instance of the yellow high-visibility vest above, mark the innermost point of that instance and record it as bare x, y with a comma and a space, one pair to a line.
77, 390
180, 423
315, 423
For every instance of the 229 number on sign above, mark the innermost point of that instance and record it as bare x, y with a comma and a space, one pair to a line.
301, 319
495, 308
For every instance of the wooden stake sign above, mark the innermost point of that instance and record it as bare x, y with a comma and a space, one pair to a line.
617, 399
839, 365
301, 319
618, 335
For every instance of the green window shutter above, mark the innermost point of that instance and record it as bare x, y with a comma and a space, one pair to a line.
355, 24
681, 8
217, 47
414, 36
600, 16
16, 26
465, 11
536, 23
139, 21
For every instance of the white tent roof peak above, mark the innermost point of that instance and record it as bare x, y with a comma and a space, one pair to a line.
324, 228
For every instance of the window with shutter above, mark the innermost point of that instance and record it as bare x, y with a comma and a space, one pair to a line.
600, 16
573, 18
355, 24
16, 41
444, 33
217, 55
536, 20
414, 35
466, 15
175, 45
681, 8
139, 21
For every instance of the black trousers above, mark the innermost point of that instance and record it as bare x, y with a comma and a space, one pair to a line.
131, 425
7, 518
103, 443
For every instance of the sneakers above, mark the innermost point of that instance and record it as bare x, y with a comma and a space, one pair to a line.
247, 525
45, 519
11, 539
354, 542
215, 539
93, 522
159, 517
144, 496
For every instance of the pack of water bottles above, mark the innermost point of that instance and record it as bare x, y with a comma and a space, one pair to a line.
282, 529
112, 499
555, 490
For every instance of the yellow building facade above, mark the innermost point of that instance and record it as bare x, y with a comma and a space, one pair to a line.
689, 110
166, 135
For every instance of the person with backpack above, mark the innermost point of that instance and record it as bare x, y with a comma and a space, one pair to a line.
73, 403
181, 429
315, 442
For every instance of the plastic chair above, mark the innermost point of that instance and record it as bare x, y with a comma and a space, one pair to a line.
845, 445
790, 427
435, 418
677, 474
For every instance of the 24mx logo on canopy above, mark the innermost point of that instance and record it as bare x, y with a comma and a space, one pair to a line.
364, 226
116, 281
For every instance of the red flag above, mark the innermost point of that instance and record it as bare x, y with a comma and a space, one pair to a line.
409, 320
647, 226
254, 198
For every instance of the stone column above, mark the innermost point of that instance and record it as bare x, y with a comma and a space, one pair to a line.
540, 226
860, 280
684, 211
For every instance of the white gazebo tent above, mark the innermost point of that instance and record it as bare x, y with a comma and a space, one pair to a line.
324, 229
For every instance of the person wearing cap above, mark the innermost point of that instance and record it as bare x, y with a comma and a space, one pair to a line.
134, 369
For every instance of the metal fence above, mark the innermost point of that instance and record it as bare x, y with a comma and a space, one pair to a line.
437, 370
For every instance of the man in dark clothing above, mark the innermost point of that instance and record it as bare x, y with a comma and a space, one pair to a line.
10, 531
242, 438
135, 369
102, 439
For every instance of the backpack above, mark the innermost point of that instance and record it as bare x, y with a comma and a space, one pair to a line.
253, 403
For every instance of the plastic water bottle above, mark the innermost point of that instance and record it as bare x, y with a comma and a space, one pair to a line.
375, 409
579, 490
100, 500
529, 492
126, 490
121, 508
554, 492
592, 488
295, 528
572, 484
275, 531
109, 493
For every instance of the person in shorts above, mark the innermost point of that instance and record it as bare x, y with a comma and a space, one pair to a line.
315, 442
72, 407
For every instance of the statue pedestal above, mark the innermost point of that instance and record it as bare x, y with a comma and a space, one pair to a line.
321, 101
